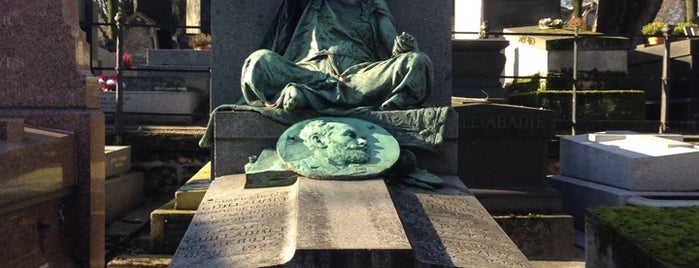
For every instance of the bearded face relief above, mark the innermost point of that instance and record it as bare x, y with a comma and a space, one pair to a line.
343, 146
337, 148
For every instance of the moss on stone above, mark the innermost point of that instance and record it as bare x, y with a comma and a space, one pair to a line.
666, 234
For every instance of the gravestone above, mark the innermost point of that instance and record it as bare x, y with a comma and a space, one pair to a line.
503, 145
140, 35
503, 156
46, 81
317, 223
637, 162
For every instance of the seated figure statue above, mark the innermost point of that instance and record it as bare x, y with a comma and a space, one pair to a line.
336, 55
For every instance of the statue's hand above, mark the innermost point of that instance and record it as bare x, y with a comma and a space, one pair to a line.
404, 43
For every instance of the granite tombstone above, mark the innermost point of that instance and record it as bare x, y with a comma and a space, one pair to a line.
62, 96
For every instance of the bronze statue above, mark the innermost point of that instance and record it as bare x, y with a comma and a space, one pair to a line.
336, 55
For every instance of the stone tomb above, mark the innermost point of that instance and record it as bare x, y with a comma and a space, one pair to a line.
530, 55
37, 177
637, 162
317, 223
622, 168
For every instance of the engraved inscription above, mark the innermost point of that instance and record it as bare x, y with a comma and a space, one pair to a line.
499, 122
468, 233
241, 228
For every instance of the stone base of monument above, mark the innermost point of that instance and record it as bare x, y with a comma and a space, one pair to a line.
618, 168
519, 201
579, 194
237, 136
319, 223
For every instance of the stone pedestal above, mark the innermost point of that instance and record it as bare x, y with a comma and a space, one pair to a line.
237, 135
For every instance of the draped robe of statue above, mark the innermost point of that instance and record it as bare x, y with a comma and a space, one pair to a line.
334, 57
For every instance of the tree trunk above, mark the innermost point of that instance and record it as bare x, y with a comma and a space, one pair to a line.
577, 8
112, 9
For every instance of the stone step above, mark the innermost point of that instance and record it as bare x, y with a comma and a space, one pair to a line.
192, 192
167, 227
122, 194
140, 261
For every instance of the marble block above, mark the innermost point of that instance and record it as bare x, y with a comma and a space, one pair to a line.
117, 160
578, 195
632, 161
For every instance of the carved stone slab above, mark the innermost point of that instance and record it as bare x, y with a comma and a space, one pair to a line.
453, 229
236, 227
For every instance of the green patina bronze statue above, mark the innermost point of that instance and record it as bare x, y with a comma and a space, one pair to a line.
337, 148
336, 55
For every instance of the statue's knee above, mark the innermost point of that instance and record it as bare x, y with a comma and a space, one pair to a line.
417, 58
262, 55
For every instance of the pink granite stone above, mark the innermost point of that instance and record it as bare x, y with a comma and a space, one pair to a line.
85, 234
41, 59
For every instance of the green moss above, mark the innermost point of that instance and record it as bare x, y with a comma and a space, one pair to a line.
587, 79
666, 234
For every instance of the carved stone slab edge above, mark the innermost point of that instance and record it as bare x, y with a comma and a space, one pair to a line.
454, 229
237, 227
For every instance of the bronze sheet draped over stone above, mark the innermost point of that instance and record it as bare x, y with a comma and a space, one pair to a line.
416, 128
